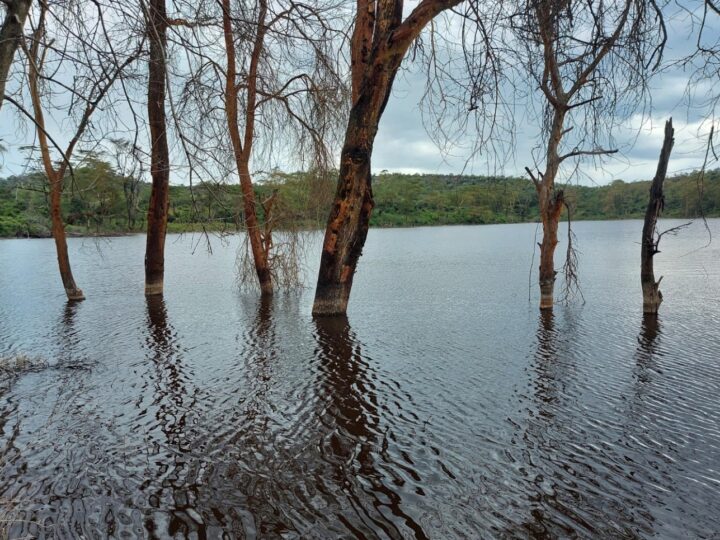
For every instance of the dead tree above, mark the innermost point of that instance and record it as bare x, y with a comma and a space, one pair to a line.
379, 42
652, 297
10, 37
588, 58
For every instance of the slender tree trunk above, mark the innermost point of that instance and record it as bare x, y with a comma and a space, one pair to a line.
10, 35
160, 160
58, 231
652, 297
242, 149
257, 245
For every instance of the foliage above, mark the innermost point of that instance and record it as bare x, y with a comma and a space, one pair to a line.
94, 201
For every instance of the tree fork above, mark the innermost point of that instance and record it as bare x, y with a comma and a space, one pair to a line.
652, 297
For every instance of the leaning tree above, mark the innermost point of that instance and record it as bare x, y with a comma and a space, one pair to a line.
379, 42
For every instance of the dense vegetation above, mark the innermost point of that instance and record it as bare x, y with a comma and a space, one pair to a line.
102, 201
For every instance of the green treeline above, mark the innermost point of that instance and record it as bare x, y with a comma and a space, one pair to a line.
102, 201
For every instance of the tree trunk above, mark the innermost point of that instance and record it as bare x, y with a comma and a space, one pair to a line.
551, 205
260, 255
58, 232
349, 220
10, 35
160, 160
652, 297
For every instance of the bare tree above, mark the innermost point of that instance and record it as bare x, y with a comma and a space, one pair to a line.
10, 37
71, 43
588, 59
652, 297
379, 42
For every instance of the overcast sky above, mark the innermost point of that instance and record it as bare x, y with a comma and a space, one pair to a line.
403, 144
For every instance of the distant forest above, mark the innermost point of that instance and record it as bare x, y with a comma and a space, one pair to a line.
102, 201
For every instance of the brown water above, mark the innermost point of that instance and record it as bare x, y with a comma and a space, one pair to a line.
444, 406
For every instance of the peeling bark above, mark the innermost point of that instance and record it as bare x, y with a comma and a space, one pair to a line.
160, 154
652, 297
379, 42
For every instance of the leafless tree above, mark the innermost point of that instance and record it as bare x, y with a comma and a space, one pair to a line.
590, 61
652, 297
66, 40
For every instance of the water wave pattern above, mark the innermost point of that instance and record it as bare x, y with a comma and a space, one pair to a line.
444, 406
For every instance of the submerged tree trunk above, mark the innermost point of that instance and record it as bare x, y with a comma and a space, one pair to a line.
349, 220
551, 205
72, 291
160, 160
10, 35
652, 297
257, 245
379, 42
242, 149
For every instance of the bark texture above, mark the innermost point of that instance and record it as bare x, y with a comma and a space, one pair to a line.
160, 155
260, 243
652, 297
10, 34
379, 42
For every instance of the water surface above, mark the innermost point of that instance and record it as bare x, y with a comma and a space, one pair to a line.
444, 406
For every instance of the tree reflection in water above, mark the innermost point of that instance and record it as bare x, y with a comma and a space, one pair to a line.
353, 442
170, 481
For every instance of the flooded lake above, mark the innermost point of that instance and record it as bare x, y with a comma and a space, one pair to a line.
445, 405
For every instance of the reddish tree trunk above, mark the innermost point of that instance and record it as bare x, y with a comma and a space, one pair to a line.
160, 157
10, 35
349, 221
379, 42
242, 149
652, 297
260, 255
58, 231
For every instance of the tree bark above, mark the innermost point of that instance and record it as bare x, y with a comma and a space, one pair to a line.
652, 297
551, 205
379, 42
160, 156
10, 35
72, 291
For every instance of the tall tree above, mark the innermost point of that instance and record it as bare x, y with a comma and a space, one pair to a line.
10, 37
587, 59
379, 42
93, 79
157, 216
288, 88
652, 297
